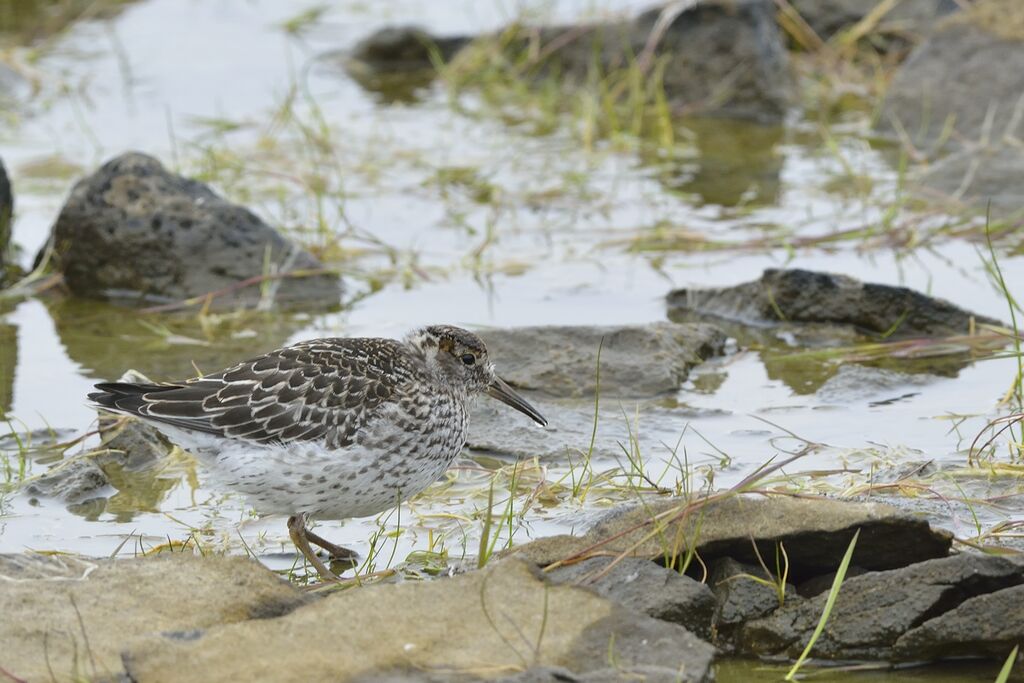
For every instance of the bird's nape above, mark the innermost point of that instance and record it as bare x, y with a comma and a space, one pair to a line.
500, 390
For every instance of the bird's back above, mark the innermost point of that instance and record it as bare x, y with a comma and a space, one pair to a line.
322, 391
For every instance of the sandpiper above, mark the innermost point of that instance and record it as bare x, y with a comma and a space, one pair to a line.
328, 428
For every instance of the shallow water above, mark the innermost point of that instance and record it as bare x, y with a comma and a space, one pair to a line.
549, 244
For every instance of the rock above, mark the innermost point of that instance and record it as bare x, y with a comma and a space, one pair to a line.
970, 69
128, 446
823, 582
988, 625
502, 618
556, 368
804, 296
70, 481
739, 598
405, 48
814, 531
907, 20
135, 230
396, 63
646, 587
636, 360
874, 610
721, 57
989, 177
492, 431
132, 444
6, 218
66, 615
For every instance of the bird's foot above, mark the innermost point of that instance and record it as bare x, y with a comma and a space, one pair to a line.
301, 537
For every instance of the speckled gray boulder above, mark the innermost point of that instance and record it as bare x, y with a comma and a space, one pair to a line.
135, 230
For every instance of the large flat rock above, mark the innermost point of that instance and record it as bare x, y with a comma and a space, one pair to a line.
556, 368
486, 624
815, 532
69, 615
637, 361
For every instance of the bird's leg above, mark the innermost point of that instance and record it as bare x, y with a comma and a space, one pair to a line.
336, 552
300, 537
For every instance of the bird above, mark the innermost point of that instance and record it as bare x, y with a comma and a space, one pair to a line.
329, 428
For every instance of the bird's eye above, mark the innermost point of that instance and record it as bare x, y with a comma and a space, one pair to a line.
468, 358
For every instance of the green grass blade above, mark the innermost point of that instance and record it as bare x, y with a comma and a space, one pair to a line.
1004, 673
829, 603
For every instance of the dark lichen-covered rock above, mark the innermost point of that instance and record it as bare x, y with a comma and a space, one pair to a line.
988, 625
135, 230
874, 610
798, 296
65, 614
964, 82
500, 620
646, 587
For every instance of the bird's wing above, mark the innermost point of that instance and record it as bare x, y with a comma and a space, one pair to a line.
325, 389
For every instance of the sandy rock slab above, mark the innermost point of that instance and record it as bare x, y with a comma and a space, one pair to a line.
491, 624
814, 531
70, 619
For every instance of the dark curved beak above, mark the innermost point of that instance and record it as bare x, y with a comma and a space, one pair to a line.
504, 393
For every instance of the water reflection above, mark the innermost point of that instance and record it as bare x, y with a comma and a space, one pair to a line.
8, 363
106, 339
31, 20
733, 163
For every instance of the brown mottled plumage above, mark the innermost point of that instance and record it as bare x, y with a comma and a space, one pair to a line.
333, 428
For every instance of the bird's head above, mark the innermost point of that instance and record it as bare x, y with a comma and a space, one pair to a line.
459, 357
